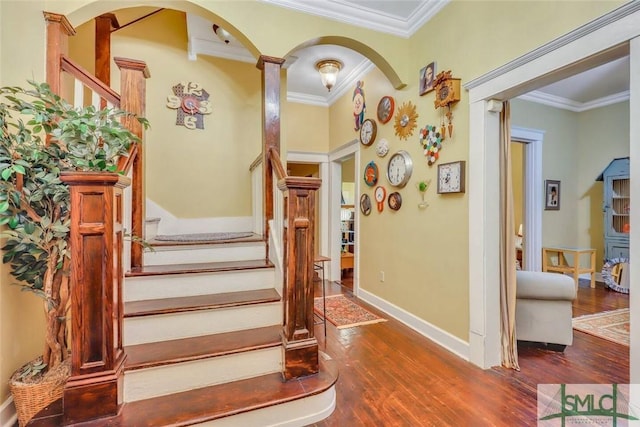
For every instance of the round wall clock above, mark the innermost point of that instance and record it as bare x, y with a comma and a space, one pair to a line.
368, 132
371, 174
399, 169
395, 201
385, 109
365, 204
380, 195
382, 147
405, 120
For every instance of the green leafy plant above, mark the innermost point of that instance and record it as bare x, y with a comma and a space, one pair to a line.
41, 135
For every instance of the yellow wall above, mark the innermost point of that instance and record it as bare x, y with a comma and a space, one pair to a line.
21, 318
428, 272
517, 173
306, 127
599, 145
213, 160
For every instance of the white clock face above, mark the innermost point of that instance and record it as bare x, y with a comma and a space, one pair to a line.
399, 169
450, 177
380, 194
367, 132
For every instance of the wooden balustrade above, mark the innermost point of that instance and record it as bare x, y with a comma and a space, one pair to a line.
95, 389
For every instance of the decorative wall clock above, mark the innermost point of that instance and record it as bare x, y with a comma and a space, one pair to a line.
399, 169
191, 102
385, 109
447, 94
431, 141
382, 147
451, 177
395, 201
368, 132
371, 174
380, 194
405, 120
359, 105
365, 204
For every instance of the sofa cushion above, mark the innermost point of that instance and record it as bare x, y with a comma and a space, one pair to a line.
544, 286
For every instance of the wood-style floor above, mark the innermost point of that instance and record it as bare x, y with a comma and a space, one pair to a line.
392, 376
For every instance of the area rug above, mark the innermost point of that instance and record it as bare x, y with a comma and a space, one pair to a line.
610, 325
344, 313
201, 237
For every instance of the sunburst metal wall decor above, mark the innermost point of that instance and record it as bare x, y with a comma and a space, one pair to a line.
405, 120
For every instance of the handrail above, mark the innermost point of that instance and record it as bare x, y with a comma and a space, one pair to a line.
279, 169
89, 80
257, 162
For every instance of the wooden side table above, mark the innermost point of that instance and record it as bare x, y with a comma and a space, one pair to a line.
563, 265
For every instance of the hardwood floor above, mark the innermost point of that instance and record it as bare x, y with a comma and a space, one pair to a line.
392, 376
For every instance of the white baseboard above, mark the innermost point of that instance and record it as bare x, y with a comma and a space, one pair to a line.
435, 334
8, 416
169, 224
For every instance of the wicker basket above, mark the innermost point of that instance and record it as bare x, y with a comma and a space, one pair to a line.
30, 398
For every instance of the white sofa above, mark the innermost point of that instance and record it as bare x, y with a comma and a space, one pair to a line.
543, 308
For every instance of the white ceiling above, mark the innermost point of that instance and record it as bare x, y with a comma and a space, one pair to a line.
600, 86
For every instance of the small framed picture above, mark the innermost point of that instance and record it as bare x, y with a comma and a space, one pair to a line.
427, 78
551, 195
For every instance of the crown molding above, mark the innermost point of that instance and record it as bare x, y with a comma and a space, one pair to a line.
586, 29
342, 11
344, 85
568, 104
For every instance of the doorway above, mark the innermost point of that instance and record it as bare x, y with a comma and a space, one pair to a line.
347, 222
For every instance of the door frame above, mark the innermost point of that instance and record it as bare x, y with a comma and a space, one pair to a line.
336, 157
606, 38
533, 195
322, 160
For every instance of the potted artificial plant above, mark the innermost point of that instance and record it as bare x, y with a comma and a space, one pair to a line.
41, 136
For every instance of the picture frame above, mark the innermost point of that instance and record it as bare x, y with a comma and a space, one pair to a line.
551, 195
427, 78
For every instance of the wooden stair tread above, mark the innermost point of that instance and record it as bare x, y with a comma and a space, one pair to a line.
186, 349
199, 302
203, 267
163, 243
206, 404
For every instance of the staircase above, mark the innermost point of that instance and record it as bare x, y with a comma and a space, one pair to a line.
206, 335
204, 347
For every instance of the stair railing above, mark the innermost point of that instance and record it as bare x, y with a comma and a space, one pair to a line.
296, 224
97, 239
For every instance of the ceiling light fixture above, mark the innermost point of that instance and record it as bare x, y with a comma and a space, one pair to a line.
222, 34
328, 69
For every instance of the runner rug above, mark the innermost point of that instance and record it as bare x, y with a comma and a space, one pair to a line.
610, 325
344, 313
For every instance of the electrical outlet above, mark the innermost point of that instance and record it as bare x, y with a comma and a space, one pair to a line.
382, 276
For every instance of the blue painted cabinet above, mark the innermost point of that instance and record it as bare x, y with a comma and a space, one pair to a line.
616, 206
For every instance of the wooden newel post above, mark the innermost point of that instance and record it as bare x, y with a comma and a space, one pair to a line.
300, 344
271, 68
97, 357
133, 95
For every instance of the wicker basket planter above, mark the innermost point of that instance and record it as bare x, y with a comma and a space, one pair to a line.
32, 396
